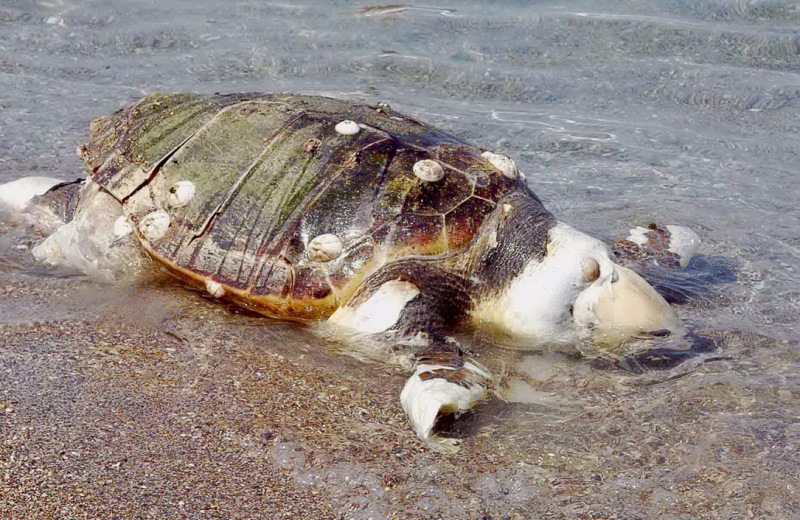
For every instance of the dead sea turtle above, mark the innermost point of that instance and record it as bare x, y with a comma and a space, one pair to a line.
309, 208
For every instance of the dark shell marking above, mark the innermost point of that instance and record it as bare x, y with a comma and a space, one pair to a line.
271, 173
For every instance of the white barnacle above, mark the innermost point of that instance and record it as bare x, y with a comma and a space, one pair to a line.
180, 194
214, 288
122, 227
324, 248
506, 165
155, 225
428, 170
347, 127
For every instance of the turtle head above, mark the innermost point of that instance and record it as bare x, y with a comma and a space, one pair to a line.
575, 288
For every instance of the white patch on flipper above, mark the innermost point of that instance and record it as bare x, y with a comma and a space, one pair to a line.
15, 195
380, 311
424, 400
683, 242
638, 236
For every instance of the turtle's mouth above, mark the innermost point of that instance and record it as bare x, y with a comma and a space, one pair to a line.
622, 306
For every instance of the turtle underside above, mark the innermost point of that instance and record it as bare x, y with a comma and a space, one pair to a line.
271, 173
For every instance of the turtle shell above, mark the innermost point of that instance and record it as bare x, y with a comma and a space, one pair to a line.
271, 173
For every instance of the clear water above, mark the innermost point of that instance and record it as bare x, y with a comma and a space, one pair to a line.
620, 113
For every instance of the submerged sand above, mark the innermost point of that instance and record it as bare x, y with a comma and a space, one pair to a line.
144, 400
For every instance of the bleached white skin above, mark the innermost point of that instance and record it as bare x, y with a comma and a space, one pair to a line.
423, 401
15, 195
622, 309
541, 301
89, 242
537, 302
380, 311
682, 241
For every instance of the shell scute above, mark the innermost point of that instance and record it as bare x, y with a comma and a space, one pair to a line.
490, 183
465, 158
222, 157
437, 198
123, 148
344, 206
311, 283
414, 235
275, 277
464, 222
351, 267
270, 173
498, 186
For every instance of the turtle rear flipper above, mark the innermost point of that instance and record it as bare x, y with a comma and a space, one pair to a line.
60, 201
93, 239
17, 195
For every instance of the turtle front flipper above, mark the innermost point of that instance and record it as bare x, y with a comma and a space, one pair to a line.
667, 246
665, 256
444, 382
414, 303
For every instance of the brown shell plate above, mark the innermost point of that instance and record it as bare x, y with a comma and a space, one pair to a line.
271, 173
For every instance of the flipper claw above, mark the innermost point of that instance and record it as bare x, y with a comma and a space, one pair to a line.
438, 389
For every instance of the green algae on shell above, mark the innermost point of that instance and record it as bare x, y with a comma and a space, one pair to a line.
230, 191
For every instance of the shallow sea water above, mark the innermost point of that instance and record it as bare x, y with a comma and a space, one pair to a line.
619, 114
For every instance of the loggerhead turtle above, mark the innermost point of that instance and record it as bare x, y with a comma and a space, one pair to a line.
310, 208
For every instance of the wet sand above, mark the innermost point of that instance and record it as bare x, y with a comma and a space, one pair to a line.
148, 401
